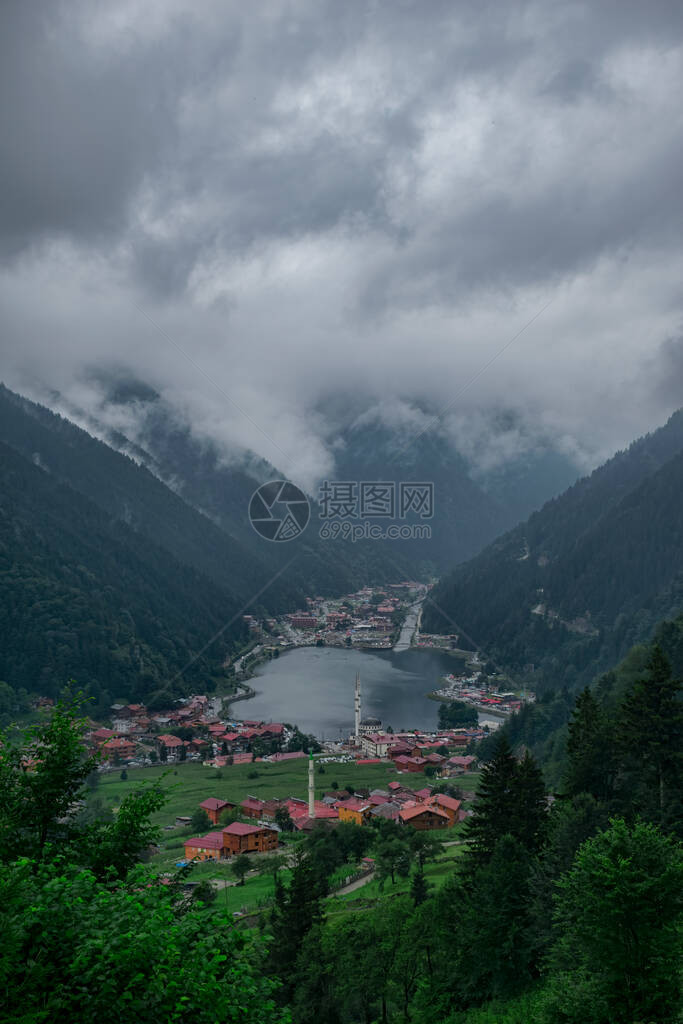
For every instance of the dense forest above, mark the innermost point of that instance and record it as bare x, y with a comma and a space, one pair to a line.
85, 595
542, 727
566, 594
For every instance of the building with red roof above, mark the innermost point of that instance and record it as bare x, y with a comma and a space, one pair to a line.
252, 807
215, 807
422, 816
241, 838
117, 746
448, 804
208, 847
100, 736
169, 741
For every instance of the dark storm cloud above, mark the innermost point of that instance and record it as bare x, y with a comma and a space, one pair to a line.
367, 198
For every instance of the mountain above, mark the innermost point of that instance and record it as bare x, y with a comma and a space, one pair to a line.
471, 507
86, 596
565, 594
111, 577
465, 517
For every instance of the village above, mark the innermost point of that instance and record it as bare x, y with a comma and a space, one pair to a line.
253, 825
369, 619
470, 690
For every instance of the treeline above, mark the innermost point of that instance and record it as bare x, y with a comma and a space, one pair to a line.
562, 913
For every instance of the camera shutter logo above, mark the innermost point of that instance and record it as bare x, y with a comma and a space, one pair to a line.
279, 510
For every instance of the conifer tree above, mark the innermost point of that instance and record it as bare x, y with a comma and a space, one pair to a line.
493, 809
650, 740
529, 810
419, 888
590, 746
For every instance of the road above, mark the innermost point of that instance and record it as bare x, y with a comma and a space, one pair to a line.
408, 628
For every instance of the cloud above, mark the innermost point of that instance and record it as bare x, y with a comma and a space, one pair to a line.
280, 216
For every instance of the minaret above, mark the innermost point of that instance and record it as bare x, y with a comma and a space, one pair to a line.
356, 708
311, 787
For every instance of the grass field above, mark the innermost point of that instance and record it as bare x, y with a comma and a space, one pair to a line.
189, 784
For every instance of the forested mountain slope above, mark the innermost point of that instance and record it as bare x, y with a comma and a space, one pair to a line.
202, 519
86, 596
590, 574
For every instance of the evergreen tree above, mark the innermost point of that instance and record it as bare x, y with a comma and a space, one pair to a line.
650, 738
200, 821
529, 808
590, 743
493, 809
297, 909
618, 919
495, 949
419, 887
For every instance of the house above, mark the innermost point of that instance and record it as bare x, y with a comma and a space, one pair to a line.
208, 847
171, 743
357, 812
410, 764
376, 744
460, 764
100, 736
252, 807
422, 816
215, 807
241, 838
399, 749
117, 746
390, 811
448, 804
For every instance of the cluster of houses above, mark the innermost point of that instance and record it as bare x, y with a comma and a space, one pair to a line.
362, 619
421, 809
469, 688
139, 733
412, 752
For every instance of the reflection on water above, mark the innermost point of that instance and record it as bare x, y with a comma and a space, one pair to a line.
312, 687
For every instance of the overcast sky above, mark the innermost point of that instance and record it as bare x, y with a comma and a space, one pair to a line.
267, 210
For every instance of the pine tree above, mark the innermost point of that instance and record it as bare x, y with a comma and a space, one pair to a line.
419, 887
590, 750
297, 909
529, 810
493, 809
650, 740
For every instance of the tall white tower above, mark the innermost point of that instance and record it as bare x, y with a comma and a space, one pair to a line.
311, 787
356, 709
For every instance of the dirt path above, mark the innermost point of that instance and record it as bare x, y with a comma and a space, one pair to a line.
352, 886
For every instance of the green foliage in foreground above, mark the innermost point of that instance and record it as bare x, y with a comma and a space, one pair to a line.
74, 948
84, 927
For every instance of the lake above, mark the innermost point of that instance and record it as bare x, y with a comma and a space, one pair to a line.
312, 687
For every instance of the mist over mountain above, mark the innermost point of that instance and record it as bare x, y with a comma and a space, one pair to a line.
393, 441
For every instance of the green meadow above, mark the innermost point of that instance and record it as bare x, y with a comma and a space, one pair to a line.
188, 785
